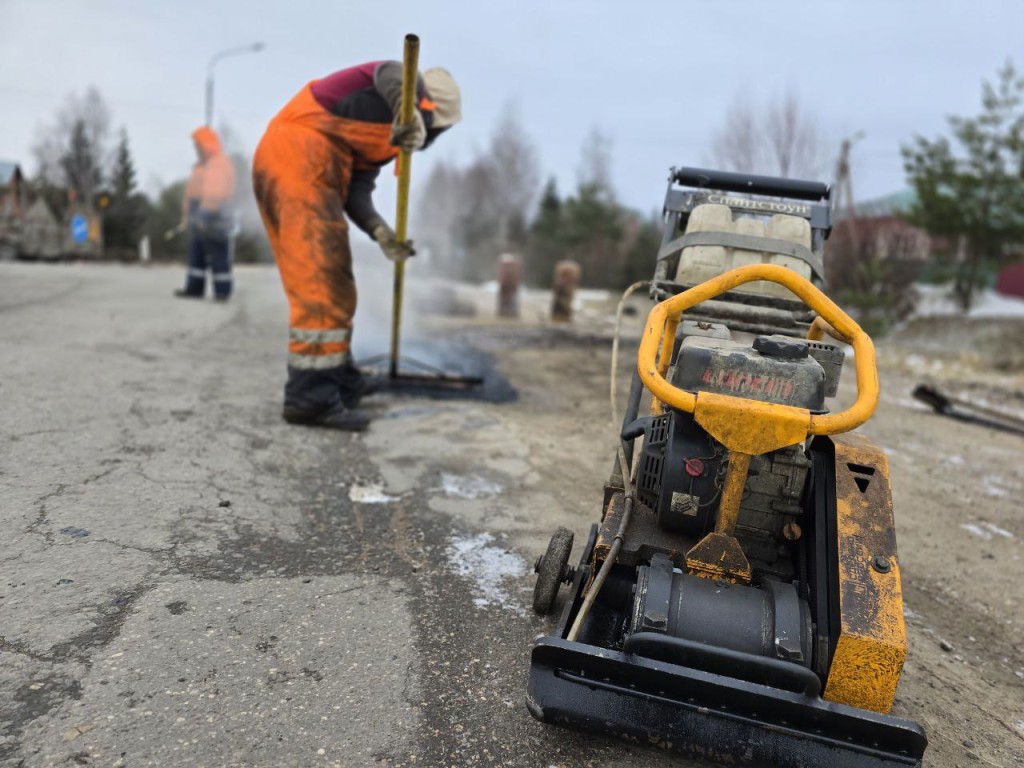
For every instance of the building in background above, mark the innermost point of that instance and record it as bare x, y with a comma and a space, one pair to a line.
12, 207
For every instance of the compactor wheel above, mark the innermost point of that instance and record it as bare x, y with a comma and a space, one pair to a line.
552, 569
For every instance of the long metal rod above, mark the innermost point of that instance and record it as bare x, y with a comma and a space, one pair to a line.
613, 552
410, 70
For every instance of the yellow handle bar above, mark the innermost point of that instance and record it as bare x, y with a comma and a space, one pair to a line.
660, 333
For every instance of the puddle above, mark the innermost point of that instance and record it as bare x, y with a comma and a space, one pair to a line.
488, 567
471, 487
372, 493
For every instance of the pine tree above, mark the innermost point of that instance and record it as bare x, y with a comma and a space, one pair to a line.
974, 195
545, 244
123, 176
125, 214
80, 165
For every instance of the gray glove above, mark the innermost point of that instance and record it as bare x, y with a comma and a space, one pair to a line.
409, 137
389, 244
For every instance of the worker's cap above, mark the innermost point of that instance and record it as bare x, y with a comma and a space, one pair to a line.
444, 92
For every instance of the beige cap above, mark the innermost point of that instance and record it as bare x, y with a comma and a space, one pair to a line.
444, 92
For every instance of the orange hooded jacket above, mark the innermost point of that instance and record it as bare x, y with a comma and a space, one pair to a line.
212, 182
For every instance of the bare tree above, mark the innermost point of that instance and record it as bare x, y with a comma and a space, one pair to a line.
778, 138
513, 160
469, 215
73, 151
595, 168
738, 145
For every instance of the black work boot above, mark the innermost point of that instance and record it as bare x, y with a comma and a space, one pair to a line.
313, 397
354, 385
364, 386
336, 416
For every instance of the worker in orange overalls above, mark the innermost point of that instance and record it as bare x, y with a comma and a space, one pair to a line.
318, 161
208, 218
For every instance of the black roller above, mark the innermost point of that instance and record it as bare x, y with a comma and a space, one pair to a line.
776, 186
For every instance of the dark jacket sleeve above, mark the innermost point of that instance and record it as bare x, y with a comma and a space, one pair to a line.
359, 205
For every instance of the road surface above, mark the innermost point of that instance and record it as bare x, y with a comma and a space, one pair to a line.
188, 580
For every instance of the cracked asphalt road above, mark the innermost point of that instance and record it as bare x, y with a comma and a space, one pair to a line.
187, 580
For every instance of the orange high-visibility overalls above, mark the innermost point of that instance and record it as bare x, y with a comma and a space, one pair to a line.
301, 174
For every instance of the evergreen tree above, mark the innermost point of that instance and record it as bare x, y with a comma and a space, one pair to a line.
124, 208
123, 176
81, 165
545, 245
973, 196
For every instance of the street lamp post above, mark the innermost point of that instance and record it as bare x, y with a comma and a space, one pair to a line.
252, 48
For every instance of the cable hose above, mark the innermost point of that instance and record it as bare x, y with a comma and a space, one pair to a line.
613, 393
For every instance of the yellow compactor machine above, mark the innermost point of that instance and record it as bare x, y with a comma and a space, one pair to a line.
739, 600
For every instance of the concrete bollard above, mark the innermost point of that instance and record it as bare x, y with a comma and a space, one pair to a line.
566, 280
510, 271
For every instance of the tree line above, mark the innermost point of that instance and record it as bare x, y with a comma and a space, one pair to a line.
82, 162
470, 214
968, 198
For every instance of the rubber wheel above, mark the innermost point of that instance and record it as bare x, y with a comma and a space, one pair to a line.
550, 569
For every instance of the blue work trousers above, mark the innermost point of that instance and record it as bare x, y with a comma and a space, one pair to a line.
213, 253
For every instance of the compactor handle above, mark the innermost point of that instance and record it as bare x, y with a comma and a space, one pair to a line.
660, 333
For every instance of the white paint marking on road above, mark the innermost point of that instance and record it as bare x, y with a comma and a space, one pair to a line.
488, 567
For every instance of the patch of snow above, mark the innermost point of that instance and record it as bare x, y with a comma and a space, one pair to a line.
992, 304
985, 530
914, 361
372, 493
998, 531
991, 486
488, 567
981, 533
937, 300
471, 487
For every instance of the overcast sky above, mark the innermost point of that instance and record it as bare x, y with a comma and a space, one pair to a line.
657, 77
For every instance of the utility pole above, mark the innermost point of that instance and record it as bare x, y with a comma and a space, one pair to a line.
844, 181
242, 49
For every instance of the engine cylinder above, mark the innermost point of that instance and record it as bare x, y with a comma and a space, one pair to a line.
770, 620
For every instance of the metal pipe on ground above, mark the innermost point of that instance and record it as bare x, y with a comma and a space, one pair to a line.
566, 280
510, 270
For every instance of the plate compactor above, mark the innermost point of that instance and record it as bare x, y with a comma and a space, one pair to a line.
740, 600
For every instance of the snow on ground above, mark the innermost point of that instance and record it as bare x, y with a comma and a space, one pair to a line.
372, 493
469, 487
935, 300
488, 567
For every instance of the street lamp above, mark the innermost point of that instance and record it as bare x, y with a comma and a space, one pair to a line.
253, 48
